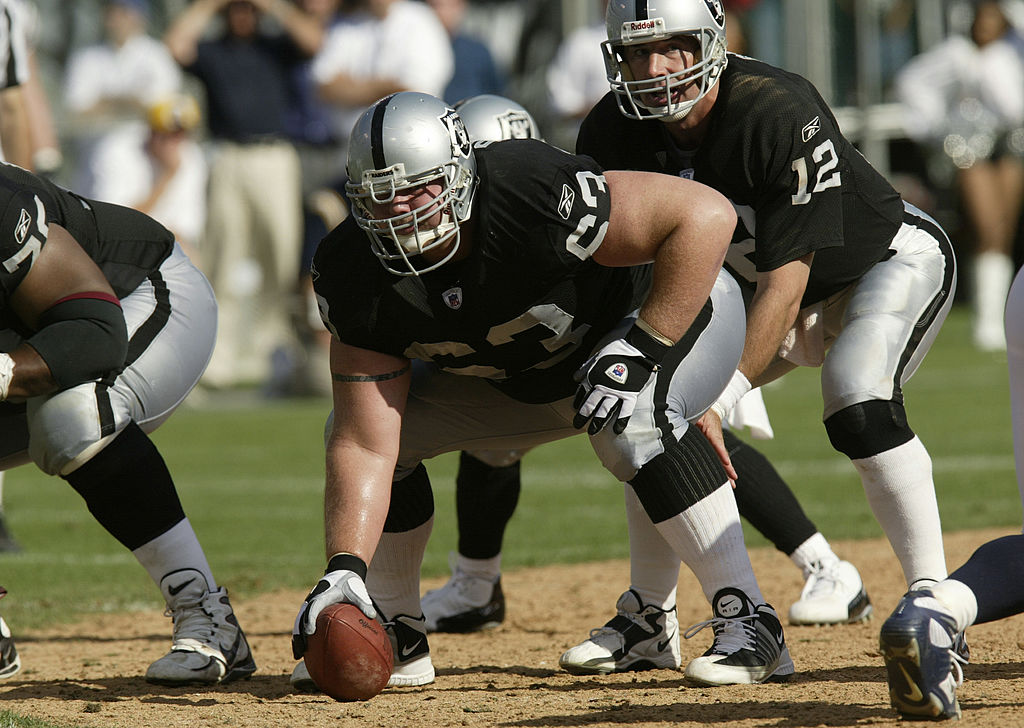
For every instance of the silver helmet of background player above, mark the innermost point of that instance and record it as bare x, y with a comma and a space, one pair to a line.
493, 118
633, 22
405, 141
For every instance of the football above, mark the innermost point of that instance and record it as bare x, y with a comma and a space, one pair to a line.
349, 656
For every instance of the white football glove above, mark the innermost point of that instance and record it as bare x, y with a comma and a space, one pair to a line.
610, 384
334, 588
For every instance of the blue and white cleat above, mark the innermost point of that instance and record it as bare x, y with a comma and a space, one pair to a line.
919, 644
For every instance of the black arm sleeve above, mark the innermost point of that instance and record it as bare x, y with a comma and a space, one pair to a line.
82, 339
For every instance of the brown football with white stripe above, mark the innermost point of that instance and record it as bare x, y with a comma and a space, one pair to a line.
349, 656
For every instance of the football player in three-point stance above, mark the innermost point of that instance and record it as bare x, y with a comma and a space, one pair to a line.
488, 486
841, 272
503, 297
105, 327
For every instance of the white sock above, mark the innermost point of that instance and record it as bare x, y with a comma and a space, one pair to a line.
708, 537
653, 565
814, 550
489, 569
174, 549
958, 598
393, 577
898, 484
992, 274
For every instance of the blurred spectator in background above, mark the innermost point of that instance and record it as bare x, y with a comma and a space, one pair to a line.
46, 155
15, 138
377, 48
576, 79
115, 81
475, 70
157, 167
251, 243
964, 100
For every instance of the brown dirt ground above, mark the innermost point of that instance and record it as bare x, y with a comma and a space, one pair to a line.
88, 674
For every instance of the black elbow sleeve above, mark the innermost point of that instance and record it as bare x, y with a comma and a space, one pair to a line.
82, 339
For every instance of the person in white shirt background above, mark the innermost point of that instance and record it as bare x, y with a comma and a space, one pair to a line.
964, 102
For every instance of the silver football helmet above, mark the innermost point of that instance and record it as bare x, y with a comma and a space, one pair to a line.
405, 141
632, 22
495, 118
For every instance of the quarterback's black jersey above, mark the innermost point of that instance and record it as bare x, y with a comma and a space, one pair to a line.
126, 244
774, 149
524, 308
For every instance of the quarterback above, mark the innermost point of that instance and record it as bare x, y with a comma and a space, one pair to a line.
841, 273
507, 295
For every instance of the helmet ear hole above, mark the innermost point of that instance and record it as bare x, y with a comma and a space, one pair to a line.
404, 141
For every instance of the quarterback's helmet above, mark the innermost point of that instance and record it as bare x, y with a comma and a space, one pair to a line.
404, 141
632, 22
495, 118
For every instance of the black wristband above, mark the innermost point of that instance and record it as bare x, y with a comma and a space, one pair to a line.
646, 344
347, 562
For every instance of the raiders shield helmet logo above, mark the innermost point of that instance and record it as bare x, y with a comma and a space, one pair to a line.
717, 12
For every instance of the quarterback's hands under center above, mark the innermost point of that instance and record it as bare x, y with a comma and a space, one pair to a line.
711, 425
609, 386
334, 588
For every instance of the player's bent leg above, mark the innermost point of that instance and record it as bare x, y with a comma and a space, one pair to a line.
486, 493
10, 661
896, 473
833, 591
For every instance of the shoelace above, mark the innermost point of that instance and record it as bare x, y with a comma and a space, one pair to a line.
822, 579
956, 662
731, 633
193, 620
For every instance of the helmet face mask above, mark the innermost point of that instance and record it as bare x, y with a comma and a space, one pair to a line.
413, 146
630, 23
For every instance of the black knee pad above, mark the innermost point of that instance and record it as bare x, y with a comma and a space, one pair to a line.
687, 472
868, 428
412, 502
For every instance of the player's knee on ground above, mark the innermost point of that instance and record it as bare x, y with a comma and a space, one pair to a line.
412, 502
686, 472
67, 429
868, 428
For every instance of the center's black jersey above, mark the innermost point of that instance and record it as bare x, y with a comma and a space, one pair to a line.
774, 149
524, 308
126, 244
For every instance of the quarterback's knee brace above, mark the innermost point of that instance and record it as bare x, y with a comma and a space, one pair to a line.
686, 472
412, 502
868, 428
128, 489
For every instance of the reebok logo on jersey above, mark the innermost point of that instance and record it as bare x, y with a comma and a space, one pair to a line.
617, 373
24, 223
565, 204
812, 128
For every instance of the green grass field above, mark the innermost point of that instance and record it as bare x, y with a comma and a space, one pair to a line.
250, 476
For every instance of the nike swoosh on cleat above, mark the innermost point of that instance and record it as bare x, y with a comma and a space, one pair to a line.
174, 590
663, 645
914, 693
405, 651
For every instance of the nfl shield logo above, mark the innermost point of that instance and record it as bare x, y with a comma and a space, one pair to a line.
453, 298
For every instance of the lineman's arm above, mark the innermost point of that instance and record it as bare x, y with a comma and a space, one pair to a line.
370, 391
79, 326
683, 226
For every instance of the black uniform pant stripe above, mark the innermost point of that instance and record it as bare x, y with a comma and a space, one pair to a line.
924, 323
138, 344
